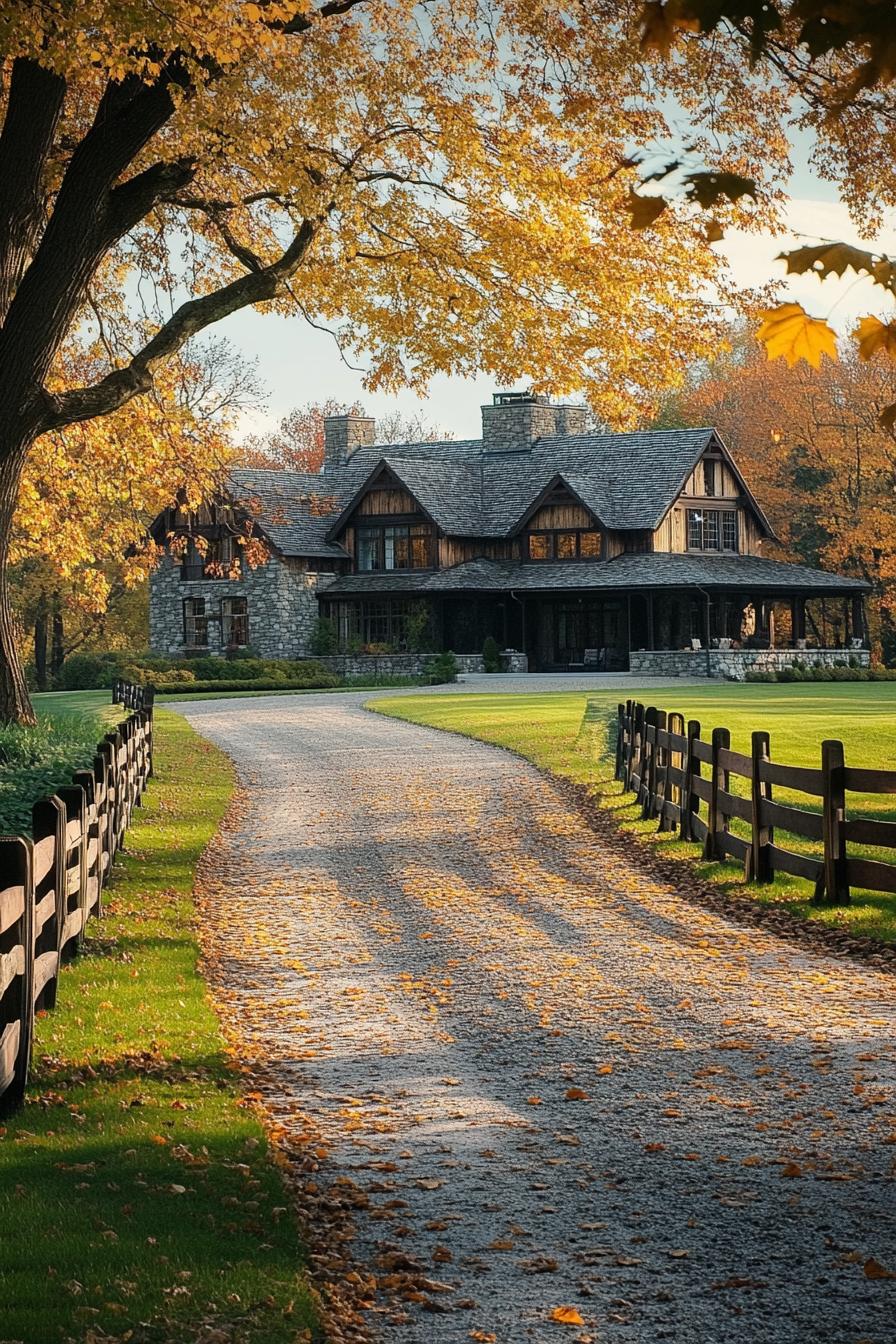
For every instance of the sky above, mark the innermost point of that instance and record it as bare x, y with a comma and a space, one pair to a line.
298, 364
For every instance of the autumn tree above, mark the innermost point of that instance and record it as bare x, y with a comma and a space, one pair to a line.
297, 444
80, 544
812, 447
833, 64
443, 184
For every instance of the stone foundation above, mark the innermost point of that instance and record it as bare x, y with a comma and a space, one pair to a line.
734, 664
412, 664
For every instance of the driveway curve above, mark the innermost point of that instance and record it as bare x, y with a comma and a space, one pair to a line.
559, 1102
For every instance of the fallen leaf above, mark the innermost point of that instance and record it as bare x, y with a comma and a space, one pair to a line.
566, 1316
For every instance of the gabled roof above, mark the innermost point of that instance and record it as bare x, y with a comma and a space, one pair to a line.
628, 481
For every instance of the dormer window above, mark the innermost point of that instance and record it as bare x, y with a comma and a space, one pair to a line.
392, 546
710, 476
712, 530
564, 544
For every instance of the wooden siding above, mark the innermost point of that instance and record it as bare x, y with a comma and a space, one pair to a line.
455, 550
379, 503
560, 515
727, 486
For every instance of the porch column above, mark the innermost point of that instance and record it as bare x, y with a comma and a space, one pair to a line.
858, 617
846, 621
798, 618
651, 642
771, 625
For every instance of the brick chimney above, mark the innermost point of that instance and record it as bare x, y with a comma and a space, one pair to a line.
514, 420
343, 434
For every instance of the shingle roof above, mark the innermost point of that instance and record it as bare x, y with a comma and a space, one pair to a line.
656, 570
628, 481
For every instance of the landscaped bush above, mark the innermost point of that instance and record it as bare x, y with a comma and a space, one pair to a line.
324, 637
323, 682
491, 655
839, 672
441, 669
34, 762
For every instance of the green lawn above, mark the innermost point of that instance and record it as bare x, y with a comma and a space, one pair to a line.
570, 734
137, 1196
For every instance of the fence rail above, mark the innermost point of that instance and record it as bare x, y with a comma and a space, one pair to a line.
661, 760
52, 882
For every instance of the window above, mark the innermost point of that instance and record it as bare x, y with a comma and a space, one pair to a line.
234, 622
712, 529
710, 476
395, 546
195, 623
373, 622
221, 555
571, 545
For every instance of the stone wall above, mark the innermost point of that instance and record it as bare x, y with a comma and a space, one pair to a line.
281, 598
734, 664
412, 664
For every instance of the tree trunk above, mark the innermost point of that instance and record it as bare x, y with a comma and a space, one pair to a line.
57, 650
40, 643
15, 702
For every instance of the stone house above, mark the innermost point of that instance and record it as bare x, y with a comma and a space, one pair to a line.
574, 548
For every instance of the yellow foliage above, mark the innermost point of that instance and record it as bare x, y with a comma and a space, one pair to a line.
874, 335
788, 332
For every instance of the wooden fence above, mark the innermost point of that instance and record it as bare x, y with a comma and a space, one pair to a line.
685, 782
52, 882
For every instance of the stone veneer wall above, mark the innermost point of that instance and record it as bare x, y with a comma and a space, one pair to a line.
734, 664
412, 664
281, 599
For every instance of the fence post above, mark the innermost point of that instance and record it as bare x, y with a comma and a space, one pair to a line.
17, 1013
836, 879
149, 698
676, 726
718, 780
690, 803
759, 868
635, 745
657, 781
74, 799
648, 755
48, 822
620, 739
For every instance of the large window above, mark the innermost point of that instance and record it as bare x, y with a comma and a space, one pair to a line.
234, 622
378, 622
195, 623
219, 561
712, 529
395, 546
574, 544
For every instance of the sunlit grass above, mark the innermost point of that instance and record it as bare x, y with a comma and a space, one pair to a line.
136, 1193
570, 734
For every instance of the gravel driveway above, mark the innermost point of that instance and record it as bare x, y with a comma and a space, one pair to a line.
543, 1086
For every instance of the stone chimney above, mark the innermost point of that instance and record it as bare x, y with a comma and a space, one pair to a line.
343, 434
514, 420
571, 419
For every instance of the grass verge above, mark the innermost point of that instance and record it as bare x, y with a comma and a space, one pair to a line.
569, 734
138, 1198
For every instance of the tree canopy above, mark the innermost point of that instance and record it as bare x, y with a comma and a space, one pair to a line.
444, 185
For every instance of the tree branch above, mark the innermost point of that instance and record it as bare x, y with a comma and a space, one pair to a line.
33, 109
302, 22
135, 378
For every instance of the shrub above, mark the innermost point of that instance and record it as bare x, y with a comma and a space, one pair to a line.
324, 637
788, 674
417, 628
442, 668
36, 761
90, 671
491, 655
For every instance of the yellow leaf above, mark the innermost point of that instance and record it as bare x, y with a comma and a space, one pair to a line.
566, 1316
788, 332
874, 335
875, 1270
660, 26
